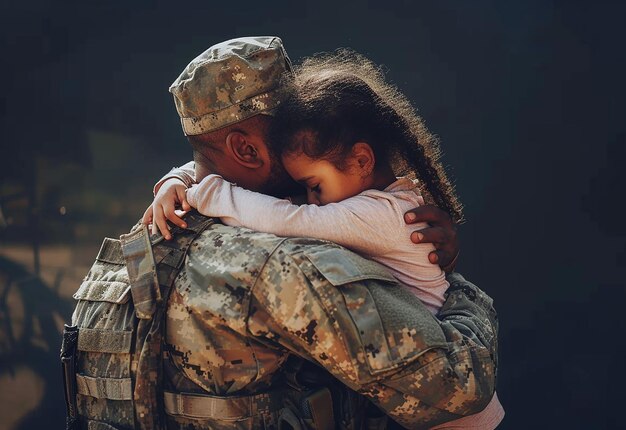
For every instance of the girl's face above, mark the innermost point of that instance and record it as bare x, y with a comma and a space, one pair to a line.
323, 181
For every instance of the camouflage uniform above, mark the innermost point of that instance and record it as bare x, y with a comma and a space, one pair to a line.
244, 301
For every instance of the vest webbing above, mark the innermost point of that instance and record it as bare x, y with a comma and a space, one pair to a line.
151, 264
152, 271
225, 408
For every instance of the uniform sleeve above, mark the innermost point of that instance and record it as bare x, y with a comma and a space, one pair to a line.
185, 173
342, 312
363, 223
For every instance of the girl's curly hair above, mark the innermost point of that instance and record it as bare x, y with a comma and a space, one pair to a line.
342, 98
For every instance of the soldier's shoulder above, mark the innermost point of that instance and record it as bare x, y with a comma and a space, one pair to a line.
319, 258
222, 254
220, 241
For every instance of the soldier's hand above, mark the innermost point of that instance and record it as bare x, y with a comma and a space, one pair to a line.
442, 233
170, 195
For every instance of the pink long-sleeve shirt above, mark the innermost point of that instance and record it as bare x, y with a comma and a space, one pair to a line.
370, 223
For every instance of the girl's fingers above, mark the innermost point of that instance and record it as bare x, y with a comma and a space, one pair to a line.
147, 216
154, 229
159, 213
182, 198
170, 213
186, 206
161, 222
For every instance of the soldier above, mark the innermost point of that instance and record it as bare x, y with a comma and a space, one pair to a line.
259, 328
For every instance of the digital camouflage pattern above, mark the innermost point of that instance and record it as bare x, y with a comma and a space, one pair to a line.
244, 301
229, 82
244, 304
104, 306
118, 373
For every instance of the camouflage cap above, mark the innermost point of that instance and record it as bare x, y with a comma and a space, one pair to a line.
229, 82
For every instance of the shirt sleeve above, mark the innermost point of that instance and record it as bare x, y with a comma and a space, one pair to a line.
420, 370
186, 173
367, 224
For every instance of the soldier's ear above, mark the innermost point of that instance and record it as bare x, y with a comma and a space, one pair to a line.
243, 150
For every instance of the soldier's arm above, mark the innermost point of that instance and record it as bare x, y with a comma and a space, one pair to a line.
469, 323
347, 314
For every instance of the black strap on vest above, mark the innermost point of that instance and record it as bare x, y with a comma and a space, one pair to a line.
153, 265
68, 365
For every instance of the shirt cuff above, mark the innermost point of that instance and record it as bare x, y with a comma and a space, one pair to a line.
174, 173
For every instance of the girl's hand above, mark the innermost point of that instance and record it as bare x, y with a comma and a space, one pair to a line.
442, 233
170, 195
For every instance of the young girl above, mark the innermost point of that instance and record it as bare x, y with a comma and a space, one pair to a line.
345, 134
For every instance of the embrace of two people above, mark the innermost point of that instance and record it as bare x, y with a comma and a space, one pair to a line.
315, 298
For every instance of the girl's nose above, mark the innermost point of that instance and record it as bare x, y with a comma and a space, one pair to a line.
312, 199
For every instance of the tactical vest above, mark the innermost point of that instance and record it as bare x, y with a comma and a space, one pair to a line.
112, 354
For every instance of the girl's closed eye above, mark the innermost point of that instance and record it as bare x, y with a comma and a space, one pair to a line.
316, 189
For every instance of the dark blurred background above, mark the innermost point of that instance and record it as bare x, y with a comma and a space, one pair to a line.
527, 97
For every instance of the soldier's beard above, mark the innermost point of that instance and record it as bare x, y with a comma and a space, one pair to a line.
279, 183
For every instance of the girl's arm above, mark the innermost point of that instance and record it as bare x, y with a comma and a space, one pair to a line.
165, 202
186, 173
366, 224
